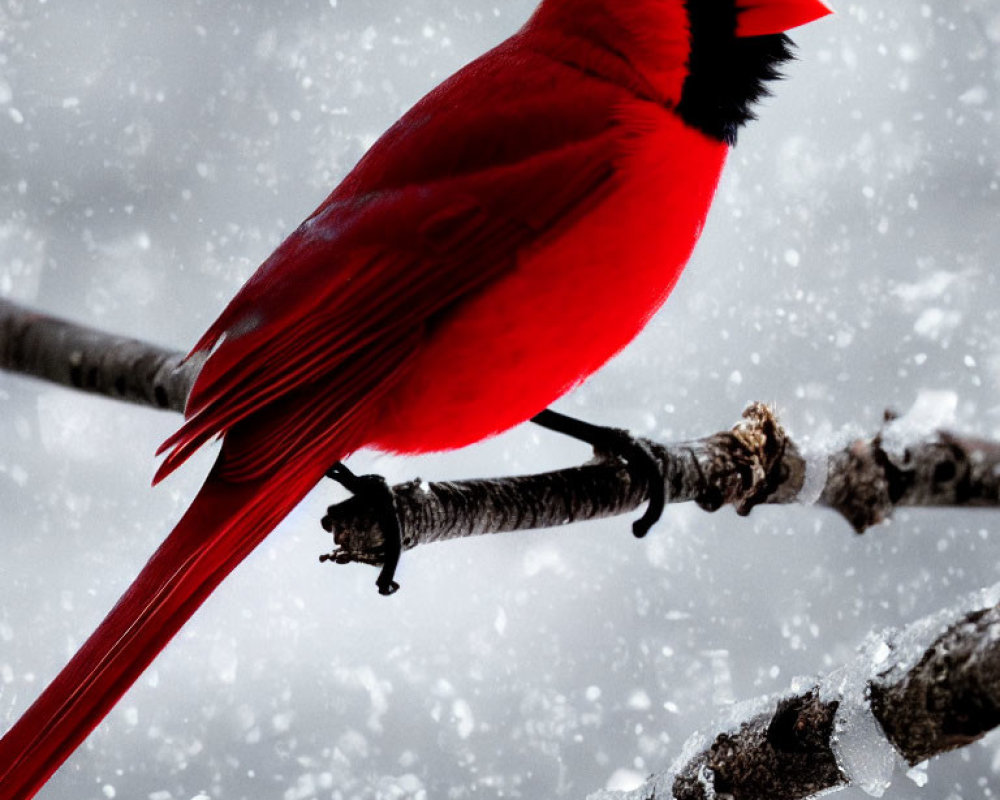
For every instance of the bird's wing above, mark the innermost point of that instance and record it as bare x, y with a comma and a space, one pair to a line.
497, 159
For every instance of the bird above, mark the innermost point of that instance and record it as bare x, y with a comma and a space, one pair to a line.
513, 231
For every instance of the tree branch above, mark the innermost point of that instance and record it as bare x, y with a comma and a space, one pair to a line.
752, 464
90, 360
756, 462
931, 698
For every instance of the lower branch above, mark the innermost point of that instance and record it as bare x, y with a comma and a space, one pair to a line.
925, 699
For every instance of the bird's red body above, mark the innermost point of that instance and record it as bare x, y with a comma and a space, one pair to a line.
450, 396
511, 233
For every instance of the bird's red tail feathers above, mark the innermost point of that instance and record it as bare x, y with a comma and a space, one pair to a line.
223, 525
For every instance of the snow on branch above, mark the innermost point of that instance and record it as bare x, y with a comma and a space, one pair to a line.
909, 695
756, 462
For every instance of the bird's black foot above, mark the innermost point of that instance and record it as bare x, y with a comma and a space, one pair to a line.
374, 490
616, 442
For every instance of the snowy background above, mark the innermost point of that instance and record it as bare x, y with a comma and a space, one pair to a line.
152, 153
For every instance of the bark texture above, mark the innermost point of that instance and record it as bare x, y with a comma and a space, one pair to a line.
83, 358
949, 698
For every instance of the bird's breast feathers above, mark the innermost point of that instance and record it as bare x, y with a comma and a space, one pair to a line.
575, 298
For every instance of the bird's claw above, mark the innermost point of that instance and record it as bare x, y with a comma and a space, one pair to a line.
621, 444
375, 491
634, 451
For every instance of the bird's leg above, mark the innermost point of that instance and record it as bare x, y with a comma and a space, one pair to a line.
374, 490
617, 442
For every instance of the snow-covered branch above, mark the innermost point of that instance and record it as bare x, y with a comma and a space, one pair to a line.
909, 695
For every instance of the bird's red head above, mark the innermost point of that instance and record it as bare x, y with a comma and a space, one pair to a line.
764, 17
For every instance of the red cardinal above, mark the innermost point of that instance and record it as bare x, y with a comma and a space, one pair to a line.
502, 241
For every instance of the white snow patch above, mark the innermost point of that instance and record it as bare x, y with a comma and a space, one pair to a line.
657, 786
352, 745
544, 559
639, 701
465, 722
722, 677
976, 96
936, 323
918, 774
22, 259
993, 29
864, 754
817, 463
932, 411
368, 37
282, 722
624, 780
930, 288
910, 645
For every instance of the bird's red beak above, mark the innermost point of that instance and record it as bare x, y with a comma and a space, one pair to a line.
763, 17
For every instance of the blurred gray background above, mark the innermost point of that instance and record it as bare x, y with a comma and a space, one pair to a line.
152, 154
